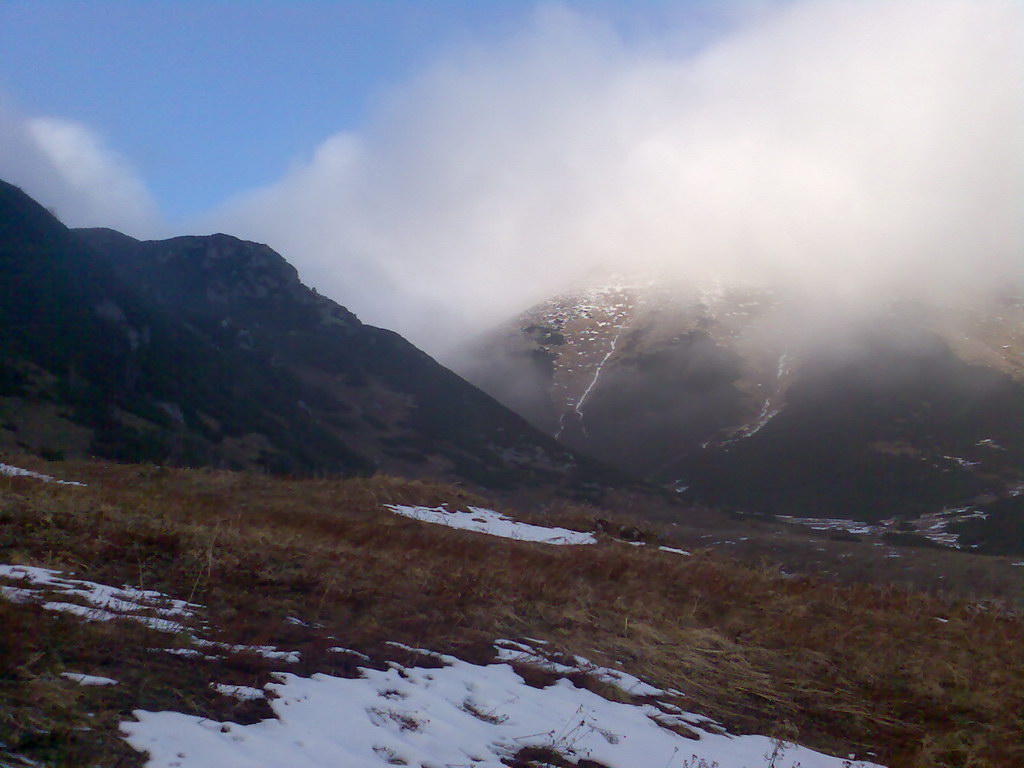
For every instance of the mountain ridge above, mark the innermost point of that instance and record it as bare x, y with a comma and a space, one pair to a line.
715, 392
209, 350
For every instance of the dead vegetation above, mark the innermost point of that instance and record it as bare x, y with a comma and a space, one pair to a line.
897, 676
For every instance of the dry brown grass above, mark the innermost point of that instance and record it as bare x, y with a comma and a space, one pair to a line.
852, 668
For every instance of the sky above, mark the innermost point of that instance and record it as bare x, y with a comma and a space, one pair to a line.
208, 98
438, 166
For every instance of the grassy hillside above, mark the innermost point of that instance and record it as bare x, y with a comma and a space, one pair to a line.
898, 677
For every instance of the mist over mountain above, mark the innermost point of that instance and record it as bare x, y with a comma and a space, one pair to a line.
70, 169
716, 392
837, 150
842, 152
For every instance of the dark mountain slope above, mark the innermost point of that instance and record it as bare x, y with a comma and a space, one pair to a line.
389, 399
82, 357
209, 351
918, 409
904, 427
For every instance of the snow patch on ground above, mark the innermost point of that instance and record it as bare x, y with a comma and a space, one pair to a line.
11, 471
339, 649
509, 650
492, 523
266, 651
962, 462
674, 551
82, 679
240, 692
990, 443
832, 524
98, 602
101, 602
931, 525
461, 714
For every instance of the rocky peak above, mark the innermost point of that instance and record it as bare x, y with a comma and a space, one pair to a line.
241, 285
223, 257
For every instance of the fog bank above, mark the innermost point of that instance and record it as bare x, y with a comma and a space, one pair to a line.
68, 168
841, 149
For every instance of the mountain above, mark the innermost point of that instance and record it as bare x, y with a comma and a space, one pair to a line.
210, 351
719, 393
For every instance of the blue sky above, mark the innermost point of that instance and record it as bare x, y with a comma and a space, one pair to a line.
209, 98
205, 99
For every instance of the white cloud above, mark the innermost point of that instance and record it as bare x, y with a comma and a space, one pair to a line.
841, 147
65, 166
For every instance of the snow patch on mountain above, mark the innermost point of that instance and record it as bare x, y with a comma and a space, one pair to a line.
578, 407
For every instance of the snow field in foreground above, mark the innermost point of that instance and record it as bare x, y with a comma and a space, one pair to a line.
458, 715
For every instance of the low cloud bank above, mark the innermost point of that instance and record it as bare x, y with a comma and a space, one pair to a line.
842, 150
67, 167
